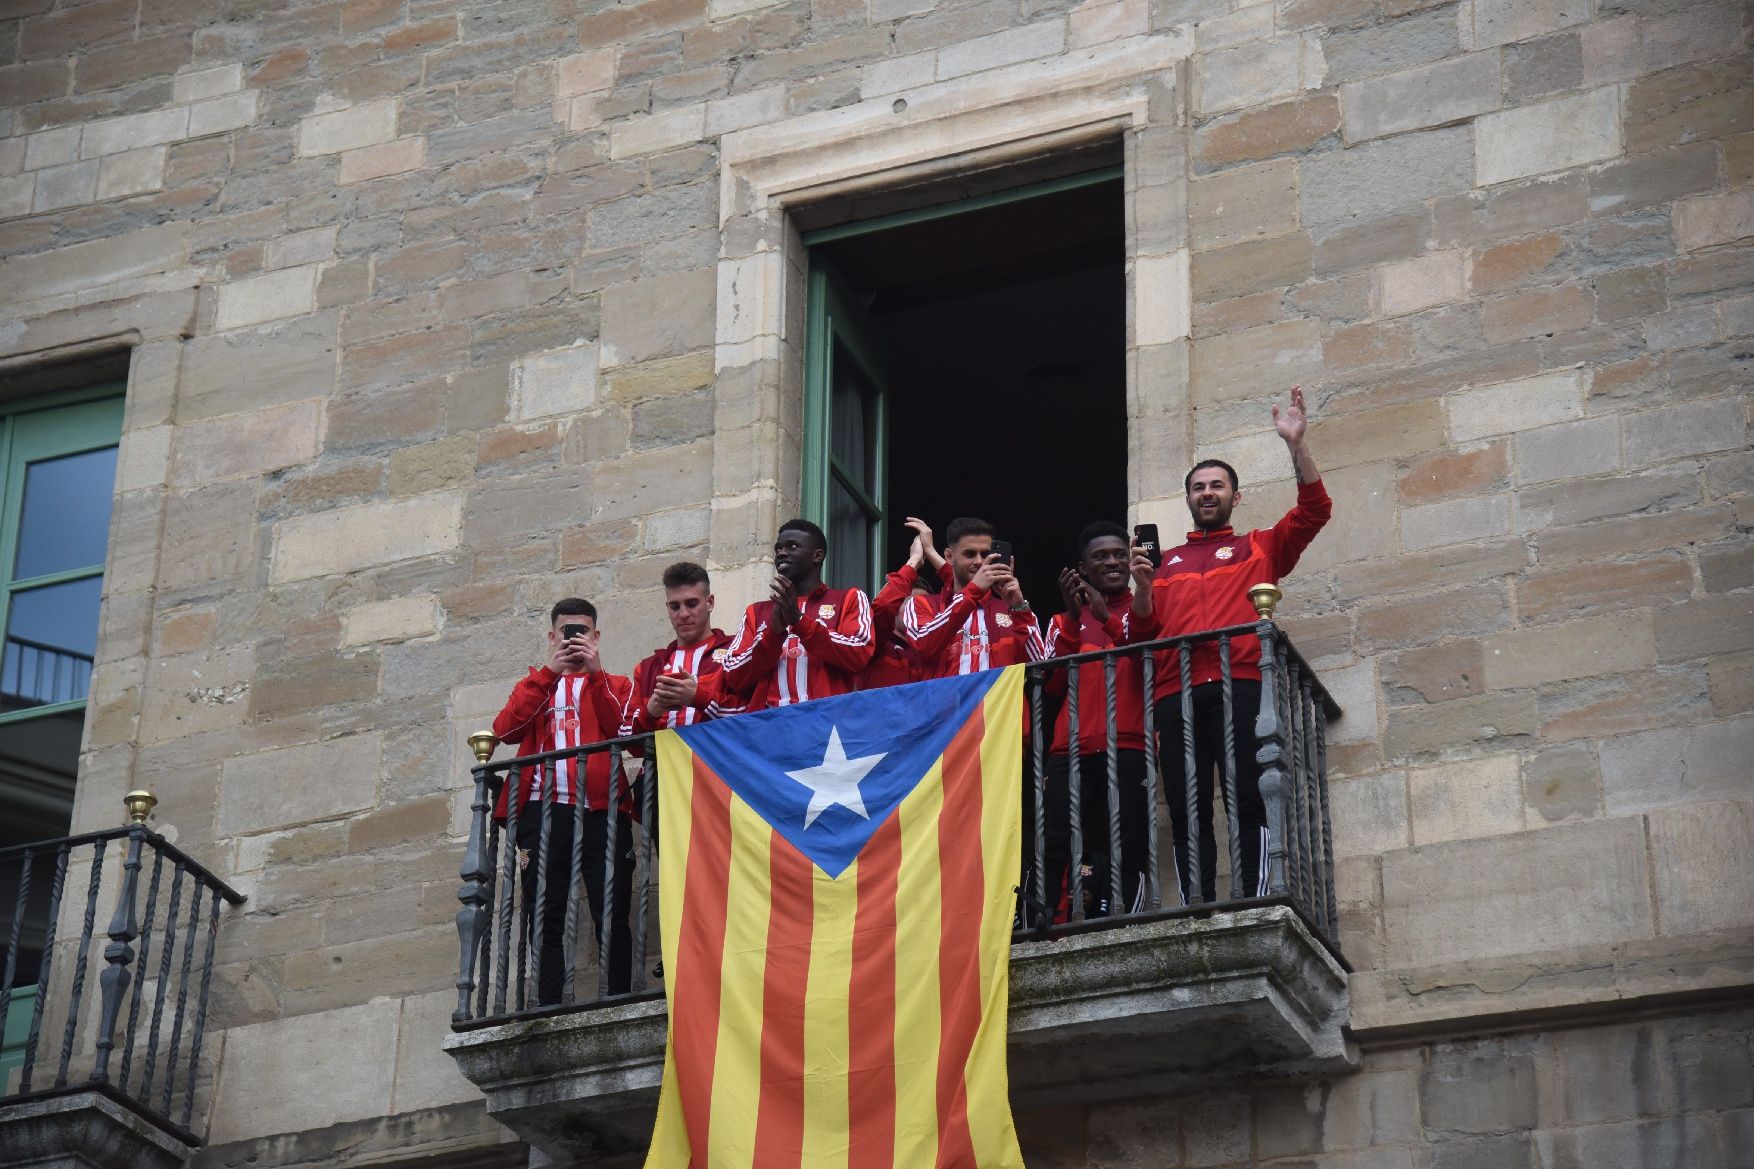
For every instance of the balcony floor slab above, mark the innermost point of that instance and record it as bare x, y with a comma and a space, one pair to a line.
1134, 1010
83, 1130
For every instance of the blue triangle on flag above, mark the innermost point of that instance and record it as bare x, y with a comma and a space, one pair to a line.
890, 738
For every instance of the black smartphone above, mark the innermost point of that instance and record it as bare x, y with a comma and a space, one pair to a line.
1146, 535
570, 631
1001, 549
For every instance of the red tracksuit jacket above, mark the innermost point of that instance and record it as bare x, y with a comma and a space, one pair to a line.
549, 711
822, 655
895, 662
705, 661
1092, 635
969, 632
1204, 584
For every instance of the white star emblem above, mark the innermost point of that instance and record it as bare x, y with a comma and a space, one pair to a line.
836, 780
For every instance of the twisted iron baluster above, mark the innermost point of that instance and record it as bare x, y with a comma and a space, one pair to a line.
1300, 817
164, 981
1231, 805
1321, 781
509, 879
575, 861
611, 839
26, 862
1193, 891
1148, 669
97, 870
43, 984
201, 1010
1074, 798
170, 1062
648, 799
1117, 903
1039, 779
484, 960
530, 974
145, 957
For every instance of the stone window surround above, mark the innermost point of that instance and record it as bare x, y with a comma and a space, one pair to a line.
1129, 90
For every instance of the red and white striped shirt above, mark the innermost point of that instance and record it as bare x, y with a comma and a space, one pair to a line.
975, 630
821, 655
551, 712
705, 661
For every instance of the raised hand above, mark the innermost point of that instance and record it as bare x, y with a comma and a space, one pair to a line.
586, 649
1095, 601
923, 541
1141, 568
1293, 420
785, 600
1072, 593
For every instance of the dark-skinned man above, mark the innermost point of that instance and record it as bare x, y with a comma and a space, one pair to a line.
807, 640
1204, 584
1098, 616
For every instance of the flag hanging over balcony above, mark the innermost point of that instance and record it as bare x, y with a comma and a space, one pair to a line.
837, 959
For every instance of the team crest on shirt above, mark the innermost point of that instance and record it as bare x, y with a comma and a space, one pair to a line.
1225, 553
1002, 620
824, 612
719, 654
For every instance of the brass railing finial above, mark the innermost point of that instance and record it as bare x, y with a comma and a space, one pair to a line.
1265, 598
482, 743
140, 804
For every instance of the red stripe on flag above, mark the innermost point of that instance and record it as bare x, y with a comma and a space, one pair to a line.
779, 1120
694, 983
871, 1048
959, 960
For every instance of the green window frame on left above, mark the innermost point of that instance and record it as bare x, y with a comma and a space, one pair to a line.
57, 489
846, 430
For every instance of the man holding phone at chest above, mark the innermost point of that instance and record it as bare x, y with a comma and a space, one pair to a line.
680, 684
985, 622
569, 702
1204, 584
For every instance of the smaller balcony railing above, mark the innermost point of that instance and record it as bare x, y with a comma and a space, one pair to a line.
136, 1036
501, 936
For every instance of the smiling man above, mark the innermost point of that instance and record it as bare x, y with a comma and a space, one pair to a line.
680, 684
1204, 584
808, 640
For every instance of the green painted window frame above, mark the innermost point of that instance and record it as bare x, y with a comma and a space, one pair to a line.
48, 426
833, 314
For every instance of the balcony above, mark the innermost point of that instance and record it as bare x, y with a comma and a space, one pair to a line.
104, 1074
1182, 990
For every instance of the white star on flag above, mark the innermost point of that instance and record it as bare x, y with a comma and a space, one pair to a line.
836, 780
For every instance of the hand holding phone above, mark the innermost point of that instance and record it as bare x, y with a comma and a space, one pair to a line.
1145, 535
1002, 549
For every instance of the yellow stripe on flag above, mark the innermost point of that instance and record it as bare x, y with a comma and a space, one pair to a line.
675, 781
737, 1098
989, 1108
826, 1034
918, 1014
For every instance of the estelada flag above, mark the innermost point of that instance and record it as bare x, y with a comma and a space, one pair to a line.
838, 883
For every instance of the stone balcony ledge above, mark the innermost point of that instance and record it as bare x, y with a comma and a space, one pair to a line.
1139, 1008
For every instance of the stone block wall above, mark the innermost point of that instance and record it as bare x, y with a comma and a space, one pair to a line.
436, 312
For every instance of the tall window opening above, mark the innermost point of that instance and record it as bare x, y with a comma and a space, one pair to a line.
968, 358
57, 486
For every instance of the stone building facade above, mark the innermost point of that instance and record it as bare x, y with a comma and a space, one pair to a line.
430, 313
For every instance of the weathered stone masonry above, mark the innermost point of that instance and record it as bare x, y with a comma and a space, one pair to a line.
435, 312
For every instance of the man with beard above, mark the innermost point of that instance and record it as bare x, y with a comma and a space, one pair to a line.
1098, 616
807, 641
1204, 584
984, 623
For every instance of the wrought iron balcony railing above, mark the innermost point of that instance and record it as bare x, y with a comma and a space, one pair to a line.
502, 938
138, 1038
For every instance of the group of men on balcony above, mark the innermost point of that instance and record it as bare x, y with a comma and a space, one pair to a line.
937, 615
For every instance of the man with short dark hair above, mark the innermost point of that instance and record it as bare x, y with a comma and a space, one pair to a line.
570, 702
1098, 616
679, 685
807, 640
985, 623
1204, 584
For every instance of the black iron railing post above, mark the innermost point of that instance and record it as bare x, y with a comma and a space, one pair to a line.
1270, 734
477, 875
124, 928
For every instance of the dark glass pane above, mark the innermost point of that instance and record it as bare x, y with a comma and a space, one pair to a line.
51, 636
851, 408
849, 539
38, 761
66, 518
